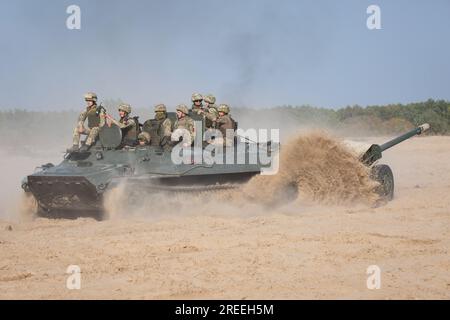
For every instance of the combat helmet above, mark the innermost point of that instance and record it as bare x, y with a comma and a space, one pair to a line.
144, 136
125, 107
183, 108
90, 96
196, 97
224, 108
210, 99
160, 108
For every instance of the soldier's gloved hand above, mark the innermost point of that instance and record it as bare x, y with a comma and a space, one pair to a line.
172, 143
165, 140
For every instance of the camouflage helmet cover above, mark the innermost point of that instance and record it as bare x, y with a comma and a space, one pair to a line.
160, 108
125, 107
144, 136
90, 96
196, 96
210, 99
224, 108
183, 108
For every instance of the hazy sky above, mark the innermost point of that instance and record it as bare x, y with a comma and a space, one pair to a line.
253, 53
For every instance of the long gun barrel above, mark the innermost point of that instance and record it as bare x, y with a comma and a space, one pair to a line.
374, 153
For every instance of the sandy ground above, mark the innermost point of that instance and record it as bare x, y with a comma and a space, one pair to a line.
294, 252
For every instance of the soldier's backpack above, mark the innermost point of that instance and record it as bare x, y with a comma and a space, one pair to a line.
153, 127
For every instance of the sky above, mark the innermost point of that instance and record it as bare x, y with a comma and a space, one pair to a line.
249, 53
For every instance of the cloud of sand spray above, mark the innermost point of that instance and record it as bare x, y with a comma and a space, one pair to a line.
15, 205
320, 169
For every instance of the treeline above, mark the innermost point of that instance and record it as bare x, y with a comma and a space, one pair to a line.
374, 120
55, 128
396, 117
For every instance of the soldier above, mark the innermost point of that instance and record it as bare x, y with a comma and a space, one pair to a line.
184, 122
165, 124
128, 125
144, 138
197, 106
224, 122
211, 112
95, 120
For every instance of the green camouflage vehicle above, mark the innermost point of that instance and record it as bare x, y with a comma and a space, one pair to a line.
76, 186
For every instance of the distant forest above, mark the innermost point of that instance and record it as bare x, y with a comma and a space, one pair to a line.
30, 127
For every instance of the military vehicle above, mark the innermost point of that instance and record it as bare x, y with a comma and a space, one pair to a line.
77, 185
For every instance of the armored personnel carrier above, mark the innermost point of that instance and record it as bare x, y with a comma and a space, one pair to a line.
76, 186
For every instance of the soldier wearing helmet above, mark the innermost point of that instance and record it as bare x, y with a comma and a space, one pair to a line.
225, 123
95, 119
128, 125
211, 112
184, 121
144, 138
159, 128
165, 124
197, 104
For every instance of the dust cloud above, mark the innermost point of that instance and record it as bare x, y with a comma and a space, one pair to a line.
315, 168
16, 163
318, 168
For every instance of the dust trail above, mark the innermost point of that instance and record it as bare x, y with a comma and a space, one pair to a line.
126, 201
320, 169
14, 204
26, 208
314, 168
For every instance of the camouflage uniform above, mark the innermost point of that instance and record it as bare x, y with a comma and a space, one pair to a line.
211, 113
128, 126
197, 110
95, 121
185, 122
165, 129
159, 128
224, 122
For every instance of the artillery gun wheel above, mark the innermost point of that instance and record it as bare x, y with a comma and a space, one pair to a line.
383, 174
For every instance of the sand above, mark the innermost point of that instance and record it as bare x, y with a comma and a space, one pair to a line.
297, 251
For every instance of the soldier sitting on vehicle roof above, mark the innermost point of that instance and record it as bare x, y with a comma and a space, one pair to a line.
95, 120
211, 113
127, 124
159, 128
197, 105
184, 126
225, 124
144, 138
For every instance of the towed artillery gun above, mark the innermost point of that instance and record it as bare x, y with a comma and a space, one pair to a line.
382, 172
